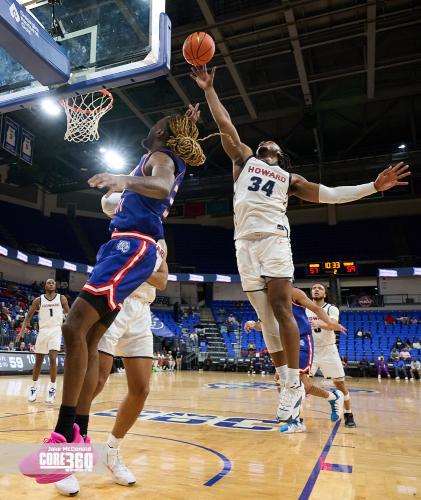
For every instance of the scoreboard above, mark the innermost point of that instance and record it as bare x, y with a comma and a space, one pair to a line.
326, 267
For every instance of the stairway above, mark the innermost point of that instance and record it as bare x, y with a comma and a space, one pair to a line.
214, 340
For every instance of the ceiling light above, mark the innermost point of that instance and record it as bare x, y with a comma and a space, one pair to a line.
50, 107
114, 160
402, 146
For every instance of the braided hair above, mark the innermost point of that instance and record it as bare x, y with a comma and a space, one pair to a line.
184, 140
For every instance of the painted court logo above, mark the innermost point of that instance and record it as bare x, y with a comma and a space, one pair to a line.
14, 13
265, 386
123, 246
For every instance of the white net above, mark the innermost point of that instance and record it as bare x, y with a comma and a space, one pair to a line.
83, 113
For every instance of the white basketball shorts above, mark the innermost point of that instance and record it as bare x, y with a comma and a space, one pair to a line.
48, 339
328, 360
261, 259
130, 335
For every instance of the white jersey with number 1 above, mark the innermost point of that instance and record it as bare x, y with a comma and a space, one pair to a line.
50, 313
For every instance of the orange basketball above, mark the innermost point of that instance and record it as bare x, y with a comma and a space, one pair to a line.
199, 48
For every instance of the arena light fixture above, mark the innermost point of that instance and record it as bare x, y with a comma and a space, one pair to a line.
402, 146
114, 160
50, 107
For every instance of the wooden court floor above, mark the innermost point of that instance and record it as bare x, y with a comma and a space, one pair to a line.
202, 437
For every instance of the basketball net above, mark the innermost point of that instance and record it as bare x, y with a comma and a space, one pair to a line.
83, 113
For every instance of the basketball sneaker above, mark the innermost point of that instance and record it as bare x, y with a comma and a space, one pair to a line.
51, 394
32, 393
349, 420
336, 405
69, 486
120, 472
290, 399
30, 465
293, 426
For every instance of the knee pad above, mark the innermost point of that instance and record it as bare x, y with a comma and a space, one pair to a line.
270, 326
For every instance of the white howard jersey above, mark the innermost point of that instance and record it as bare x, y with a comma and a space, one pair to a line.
324, 337
261, 199
50, 313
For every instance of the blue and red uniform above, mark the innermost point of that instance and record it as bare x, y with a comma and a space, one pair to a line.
306, 338
129, 258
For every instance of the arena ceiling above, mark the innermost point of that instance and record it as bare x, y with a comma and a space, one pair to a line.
336, 82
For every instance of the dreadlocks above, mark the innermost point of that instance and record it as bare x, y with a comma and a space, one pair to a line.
184, 140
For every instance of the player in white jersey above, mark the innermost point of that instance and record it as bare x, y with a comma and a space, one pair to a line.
262, 185
326, 354
129, 337
51, 308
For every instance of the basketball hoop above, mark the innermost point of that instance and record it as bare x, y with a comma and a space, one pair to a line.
83, 113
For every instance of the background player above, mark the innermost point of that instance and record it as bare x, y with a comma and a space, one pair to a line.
123, 263
300, 302
262, 186
51, 308
326, 354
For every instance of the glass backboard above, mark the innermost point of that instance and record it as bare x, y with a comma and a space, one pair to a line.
109, 43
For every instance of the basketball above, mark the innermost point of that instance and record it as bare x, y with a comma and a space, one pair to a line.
199, 48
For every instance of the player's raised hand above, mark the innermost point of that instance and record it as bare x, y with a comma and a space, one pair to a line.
392, 176
114, 183
202, 77
193, 113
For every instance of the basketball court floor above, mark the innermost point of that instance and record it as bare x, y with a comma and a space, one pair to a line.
212, 435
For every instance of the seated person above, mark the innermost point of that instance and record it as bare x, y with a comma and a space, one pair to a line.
382, 367
394, 355
400, 369
415, 369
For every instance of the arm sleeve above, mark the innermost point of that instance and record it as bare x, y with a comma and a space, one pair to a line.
110, 204
345, 194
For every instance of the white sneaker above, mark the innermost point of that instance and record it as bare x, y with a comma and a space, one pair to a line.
32, 393
121, 474
379, 377
406, 378
397, 378
69, 487
51, 395
411, 379
293, 426
290, 399
337, 405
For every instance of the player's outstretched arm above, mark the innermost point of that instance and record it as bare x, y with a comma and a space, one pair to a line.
326, 322
32, 310
231, 142
157, 185
318, 193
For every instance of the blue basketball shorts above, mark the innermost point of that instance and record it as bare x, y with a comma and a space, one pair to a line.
122, 264
306, 353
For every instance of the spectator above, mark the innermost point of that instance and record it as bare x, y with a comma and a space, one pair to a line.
416, 344
367, 335
405, 354
179, 358
11, 346
394, 355
364, 366
194, 339
359, 333
413, 321
404, 319
251, 347
389, 320
415, 369
231, 320
400, 369
382, 368
22, 347
398, 343
408, 343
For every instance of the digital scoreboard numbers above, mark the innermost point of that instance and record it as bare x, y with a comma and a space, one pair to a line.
326, 267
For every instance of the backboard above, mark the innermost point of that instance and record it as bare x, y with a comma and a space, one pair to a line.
110, 43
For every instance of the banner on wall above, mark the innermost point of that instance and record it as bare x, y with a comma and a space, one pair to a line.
26, 146
10, 135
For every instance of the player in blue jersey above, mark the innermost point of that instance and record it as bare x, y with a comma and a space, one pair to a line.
300, 302
123, 263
